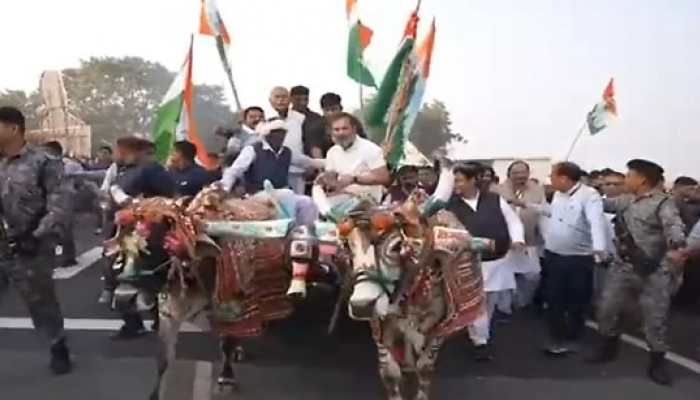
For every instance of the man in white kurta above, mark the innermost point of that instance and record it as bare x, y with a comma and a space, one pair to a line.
484, 214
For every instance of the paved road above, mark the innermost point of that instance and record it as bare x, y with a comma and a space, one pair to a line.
296, 360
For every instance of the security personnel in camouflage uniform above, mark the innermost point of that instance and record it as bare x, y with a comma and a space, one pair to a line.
33, 208
650, 240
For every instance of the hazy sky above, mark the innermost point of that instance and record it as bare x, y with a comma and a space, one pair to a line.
518, 76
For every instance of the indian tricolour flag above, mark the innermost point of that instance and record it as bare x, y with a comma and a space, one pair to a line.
400, 95
604, 112
359, 38
424, 56
212, 24
174, 119
378, 113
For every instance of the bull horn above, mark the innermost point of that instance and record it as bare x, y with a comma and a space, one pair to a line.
272, 229
438, 200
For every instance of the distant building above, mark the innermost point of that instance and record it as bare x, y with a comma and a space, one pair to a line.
57, 122
540, 167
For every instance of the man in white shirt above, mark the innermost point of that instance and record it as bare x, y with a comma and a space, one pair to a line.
486, 214
575, 238
354, 166
280, 101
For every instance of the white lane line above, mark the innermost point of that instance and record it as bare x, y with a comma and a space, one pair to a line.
85, 260
84, 324
201, 389
684, 362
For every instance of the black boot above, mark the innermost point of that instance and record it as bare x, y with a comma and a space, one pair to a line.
133, 327
60, 358
657, 371
606, 351
482, 353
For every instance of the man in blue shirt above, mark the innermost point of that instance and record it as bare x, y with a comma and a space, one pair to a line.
189, 177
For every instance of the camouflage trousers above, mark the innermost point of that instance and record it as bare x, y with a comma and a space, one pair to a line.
32, 279
653, 293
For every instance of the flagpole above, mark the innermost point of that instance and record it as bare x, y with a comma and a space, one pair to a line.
576, 139
221, 47
362, 102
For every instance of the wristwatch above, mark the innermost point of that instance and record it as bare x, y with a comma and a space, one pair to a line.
355, 180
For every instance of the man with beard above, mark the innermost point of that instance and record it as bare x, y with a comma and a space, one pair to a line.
354, 166
317, 137
293, 139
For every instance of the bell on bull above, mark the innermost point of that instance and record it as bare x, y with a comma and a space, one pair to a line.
303, 246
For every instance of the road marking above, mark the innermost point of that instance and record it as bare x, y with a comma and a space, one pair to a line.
201, 389
85, 260
684, 362
84, 324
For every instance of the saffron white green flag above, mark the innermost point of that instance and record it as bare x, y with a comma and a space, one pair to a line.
604, 112
359, 38
174, 118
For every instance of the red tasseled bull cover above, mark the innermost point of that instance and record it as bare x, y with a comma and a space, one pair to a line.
251, 286
464, 293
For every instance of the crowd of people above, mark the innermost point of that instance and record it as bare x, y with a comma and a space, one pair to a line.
582, 242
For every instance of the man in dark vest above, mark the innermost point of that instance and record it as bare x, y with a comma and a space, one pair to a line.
267, 159
485, 214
